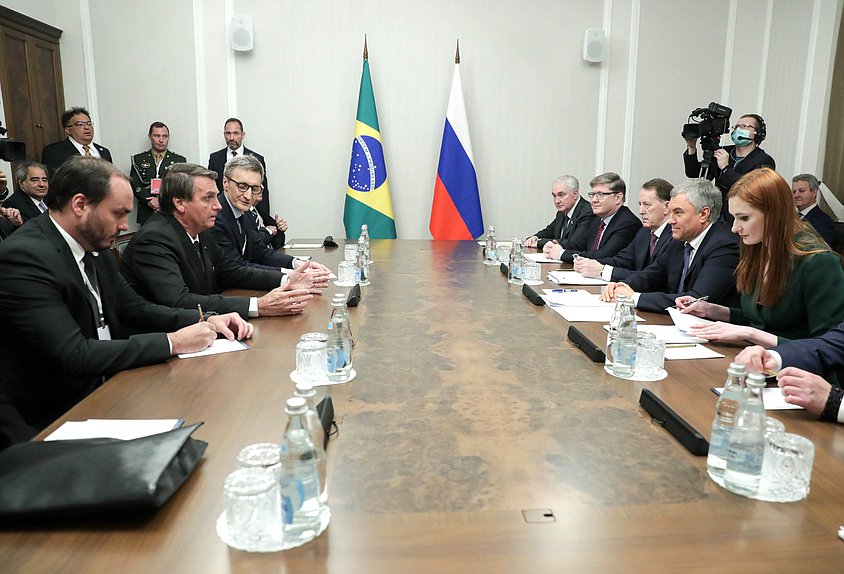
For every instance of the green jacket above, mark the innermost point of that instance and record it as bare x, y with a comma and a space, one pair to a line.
142, 172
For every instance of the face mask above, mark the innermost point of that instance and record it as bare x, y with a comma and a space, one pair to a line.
741, 137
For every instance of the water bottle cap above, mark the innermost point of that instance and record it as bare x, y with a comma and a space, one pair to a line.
305, 389
296, 406
737, 368
755, 380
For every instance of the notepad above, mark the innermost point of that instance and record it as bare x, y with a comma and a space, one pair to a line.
217, 347
772, 399
540, 258
573, 278
124, 429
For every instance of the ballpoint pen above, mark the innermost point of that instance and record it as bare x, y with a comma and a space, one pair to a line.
201, 314
693, 301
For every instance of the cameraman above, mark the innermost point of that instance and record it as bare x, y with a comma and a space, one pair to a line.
733, 161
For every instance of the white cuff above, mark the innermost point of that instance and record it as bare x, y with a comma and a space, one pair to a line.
253, 306
777, 359
606, 272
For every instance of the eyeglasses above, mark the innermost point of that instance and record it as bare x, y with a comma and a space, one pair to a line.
600, 194
244, 187
745, 126
80, 125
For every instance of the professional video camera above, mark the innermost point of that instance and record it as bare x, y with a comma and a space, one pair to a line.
10, 150
708, 124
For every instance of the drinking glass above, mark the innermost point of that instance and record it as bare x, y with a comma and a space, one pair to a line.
787, 468
311, 362
346, 272
253, 509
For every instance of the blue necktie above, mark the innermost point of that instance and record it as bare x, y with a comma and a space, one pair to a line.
687, 253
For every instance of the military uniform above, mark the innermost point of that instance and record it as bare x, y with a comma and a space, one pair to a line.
142, 172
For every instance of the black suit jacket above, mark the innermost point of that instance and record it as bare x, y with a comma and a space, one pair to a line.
50, 356
617, 235
255, 253
822, 223
581, 217
711, 273
637, 256
162, 265
725, 178
55, 154
23, 203
217, 162
142, 172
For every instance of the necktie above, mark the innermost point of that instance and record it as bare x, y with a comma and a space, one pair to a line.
566, 224
653, 245
87, 149
42, 207
597, 241
687, 254
198, 248
91, 272
234, 153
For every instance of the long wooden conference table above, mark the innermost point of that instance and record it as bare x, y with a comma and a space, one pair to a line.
469, 407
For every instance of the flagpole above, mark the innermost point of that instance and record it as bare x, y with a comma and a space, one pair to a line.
457, 55
365, 52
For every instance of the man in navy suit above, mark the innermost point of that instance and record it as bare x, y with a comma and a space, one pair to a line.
33, 185
701, 260
574, 215
648, 244
234, 134
613, 228
800, 365
69, 318
80, 140
804, 189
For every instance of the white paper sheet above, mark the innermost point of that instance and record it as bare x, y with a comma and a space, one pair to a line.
482, 243
540, 258
670, 334
574, 298
772, 398
217, 347
573, 278
683, 321
685, 351
125, 429
303, 246
586, 314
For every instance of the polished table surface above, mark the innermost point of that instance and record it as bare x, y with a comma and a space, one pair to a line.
469, 407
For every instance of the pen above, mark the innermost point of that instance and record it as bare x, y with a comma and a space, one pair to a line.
201, 314
693, 301
563, 290
680, 345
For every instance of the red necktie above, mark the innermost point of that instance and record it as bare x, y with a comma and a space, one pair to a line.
653, 244
598, 236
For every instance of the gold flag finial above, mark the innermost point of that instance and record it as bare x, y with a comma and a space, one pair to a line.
457, 55
365, 51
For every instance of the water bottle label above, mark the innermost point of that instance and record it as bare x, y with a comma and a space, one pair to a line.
291, 501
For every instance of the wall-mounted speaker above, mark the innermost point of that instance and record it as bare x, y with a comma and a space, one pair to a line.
594, 45
241, 34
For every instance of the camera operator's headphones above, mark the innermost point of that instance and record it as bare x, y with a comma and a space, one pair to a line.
763, 129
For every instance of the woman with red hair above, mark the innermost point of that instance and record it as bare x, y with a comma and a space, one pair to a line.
791, 282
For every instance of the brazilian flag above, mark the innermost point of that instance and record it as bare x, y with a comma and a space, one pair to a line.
368, 194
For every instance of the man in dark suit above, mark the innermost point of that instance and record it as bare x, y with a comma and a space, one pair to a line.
700, 261
272, 233
150, 167
234, 134
80, 140
236, 232
804, 189
573, 216
69, 318
613, 228
648, 244
174, 261
33, 185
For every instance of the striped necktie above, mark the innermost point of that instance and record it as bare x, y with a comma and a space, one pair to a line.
597, 241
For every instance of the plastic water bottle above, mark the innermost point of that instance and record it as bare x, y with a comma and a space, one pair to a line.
490, 255
306, 391
364, 234
726, 410
624, 347
746, 450
300, 505
517, 260
361, 264
340, 342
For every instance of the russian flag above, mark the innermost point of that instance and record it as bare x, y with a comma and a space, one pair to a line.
456, 210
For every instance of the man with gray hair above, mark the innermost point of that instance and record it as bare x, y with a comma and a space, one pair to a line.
804, 189
32, 181
700, 261
235, 231
573, 216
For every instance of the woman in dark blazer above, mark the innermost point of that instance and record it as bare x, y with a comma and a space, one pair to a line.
791, 282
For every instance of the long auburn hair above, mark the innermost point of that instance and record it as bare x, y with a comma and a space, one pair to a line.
766, 266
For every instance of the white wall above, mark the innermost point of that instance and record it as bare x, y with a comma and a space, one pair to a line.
536, 109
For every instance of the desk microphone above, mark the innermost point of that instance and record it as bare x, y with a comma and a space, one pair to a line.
674, 423
329, 241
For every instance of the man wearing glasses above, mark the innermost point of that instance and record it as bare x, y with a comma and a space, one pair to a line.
235, 231
80, 141
613, 228
733, 161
